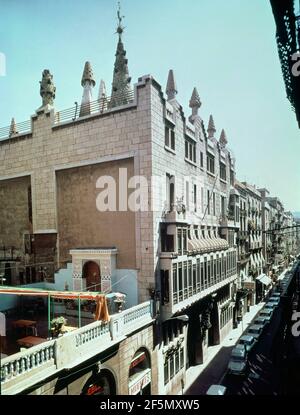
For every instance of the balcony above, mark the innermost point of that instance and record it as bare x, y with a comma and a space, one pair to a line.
26, 368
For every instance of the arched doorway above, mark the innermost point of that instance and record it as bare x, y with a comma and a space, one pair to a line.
140, 373
91, 273
101, 384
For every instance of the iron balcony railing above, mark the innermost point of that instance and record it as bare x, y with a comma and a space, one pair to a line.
99, 106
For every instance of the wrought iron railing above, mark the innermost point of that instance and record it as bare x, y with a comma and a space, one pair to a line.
95, 107
19, 128
71, 114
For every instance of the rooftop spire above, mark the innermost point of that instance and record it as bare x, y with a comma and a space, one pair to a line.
195, 102
171, 89
13, 128
102, 96
223, 139
211, 129
88, 83
121, 88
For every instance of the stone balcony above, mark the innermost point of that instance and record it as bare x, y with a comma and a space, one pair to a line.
26, 368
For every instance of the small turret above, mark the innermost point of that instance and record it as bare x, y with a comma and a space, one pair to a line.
195, 102
223, 139
171, 89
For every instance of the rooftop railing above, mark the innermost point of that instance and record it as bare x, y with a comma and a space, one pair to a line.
98, 106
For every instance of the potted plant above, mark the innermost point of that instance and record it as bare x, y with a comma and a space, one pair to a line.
57, 325
119, 300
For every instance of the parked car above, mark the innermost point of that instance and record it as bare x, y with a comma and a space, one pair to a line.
274, 300
276, 294
270, 306
247, 341
266, 312
216, 390
262, 321
238, 361
255, 330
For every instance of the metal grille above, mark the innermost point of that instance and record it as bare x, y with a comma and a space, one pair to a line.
21, 128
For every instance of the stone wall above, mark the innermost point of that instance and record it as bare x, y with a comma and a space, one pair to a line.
14, 212
81, 224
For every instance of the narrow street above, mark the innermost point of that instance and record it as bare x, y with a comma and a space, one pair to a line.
264, 373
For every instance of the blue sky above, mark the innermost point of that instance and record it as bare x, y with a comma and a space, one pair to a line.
226, 49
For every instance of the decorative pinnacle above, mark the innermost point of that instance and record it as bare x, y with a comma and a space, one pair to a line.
171, 89
102, 90
87, 75
47, 88
195, 101
13, 127
211, 129
223, 138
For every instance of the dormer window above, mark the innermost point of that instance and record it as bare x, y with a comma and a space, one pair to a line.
190, 149
223, 171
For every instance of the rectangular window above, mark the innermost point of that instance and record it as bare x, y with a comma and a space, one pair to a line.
208, 202
175, 296
166, 371
195, 198
181, 357
201, 159
184, 237
202, 200
208, 273
202, 276
186, 149
180, 293
164, 275
190, 149
232, 177
177, 364
214, 204
223, 206
223, 171
205, 272
194, 279
198, 275
172, 366
210, 163
167, 137
170, 137
179, 241
190, 277
187, 195
185, 280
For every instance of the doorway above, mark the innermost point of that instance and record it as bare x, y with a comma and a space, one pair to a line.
91, 273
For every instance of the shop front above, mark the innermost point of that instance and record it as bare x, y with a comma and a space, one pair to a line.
140, 374
100, 384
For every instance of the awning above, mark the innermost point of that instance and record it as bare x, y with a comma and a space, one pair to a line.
264, 279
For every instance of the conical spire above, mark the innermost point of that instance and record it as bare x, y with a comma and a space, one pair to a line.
121, 88
88, 83
13, 128
195, 102
211, 129
171, 89
87, 76
223, 139
102, 96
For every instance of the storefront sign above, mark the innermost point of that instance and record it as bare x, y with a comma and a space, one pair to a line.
140, 358
138, 385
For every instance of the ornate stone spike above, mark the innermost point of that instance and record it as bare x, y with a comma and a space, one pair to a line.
195, 102
47, 88
102, 96
211, 129
171, 89
223, 139
13, 128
